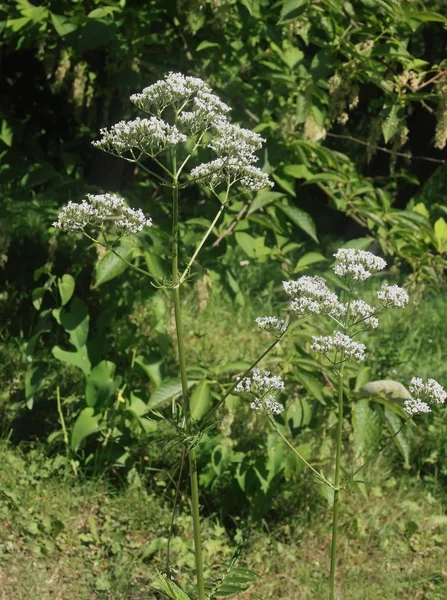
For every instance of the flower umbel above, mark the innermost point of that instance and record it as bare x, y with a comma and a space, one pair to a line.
147, 136
263, 388
424, 393
310, 295
339, 343
271, 324
393, 295
97, 209
357, 265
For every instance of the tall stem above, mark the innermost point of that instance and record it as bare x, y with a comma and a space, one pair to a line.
186, 406
332, 594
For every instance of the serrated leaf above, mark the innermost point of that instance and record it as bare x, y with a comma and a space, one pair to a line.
301, 219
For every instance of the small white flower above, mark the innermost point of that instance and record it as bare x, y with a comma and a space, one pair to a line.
263, 388
340, 343
233, 141
431, 391
362, 313
175, 89
148, 136
271, 324
357, 265
393, 295
231, 170
414, 406
312, 296
97, 209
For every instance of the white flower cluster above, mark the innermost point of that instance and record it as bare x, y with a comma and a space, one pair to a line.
393, 295
310, 295
263, 388
149, 136
340, 343
175, 89
424, 393
234, 141
361, 312
271, 324
97, 209
206, 109
357, 265
232, 169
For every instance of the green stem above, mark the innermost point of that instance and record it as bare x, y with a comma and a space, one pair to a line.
186, 407
62, 420
332, 594
203, 240
319, 475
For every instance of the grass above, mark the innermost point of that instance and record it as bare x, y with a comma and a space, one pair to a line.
63, 537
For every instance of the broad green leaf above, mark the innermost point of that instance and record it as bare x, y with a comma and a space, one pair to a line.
37, 297
301, 219
6, 133
293, 463
110, 266
200, 400
358, 243
312, 385
292, 56
62, 25
205, 44
298, 171
154, 369
75, 320
78, 359
38, 174
291, 9
367, 425
388, 387
311, 258
253, 247
165, 392
394, 423
298, 415
440, 229
100, 384
263, 198
421, 209
392, 121
86, 424
66, 286
155, 265
286, 184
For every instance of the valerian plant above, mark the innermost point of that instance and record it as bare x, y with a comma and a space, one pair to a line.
311, 296
186, 121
